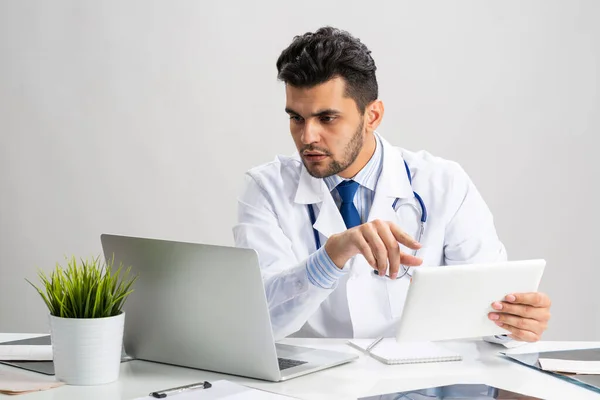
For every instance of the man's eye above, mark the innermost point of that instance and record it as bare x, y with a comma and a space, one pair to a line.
295, 118
327, 118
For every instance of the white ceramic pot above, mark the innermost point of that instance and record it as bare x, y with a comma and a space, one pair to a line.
87, 351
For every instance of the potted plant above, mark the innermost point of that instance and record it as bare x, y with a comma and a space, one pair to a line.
85, 302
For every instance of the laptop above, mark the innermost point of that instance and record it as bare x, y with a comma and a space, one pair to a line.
204, 306
43, 367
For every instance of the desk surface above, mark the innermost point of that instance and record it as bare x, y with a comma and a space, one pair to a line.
362, 377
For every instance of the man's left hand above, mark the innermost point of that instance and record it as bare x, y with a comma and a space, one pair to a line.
524, 315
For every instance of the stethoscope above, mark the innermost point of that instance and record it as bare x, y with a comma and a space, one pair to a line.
423, 221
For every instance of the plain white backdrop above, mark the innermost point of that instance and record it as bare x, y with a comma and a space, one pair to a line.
141, 117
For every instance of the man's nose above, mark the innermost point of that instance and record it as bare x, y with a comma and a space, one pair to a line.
310, 133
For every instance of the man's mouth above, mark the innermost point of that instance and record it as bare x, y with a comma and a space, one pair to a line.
313, 156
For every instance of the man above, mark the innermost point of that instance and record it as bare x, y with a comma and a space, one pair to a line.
349, 204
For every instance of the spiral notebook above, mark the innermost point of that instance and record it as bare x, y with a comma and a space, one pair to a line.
388, 351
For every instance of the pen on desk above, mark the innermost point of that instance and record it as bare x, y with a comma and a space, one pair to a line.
161, 394
372, 345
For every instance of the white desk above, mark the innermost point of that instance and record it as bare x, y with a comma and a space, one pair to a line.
363, 377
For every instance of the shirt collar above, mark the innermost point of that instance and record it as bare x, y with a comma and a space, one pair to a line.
368, 175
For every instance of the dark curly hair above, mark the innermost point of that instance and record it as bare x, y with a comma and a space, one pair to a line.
315, 58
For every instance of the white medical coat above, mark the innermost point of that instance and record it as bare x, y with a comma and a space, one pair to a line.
273, 219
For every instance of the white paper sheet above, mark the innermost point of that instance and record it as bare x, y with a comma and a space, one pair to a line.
223, 390
26, 353
570, 366
16, 383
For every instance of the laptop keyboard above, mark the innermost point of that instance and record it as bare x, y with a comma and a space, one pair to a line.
285, 363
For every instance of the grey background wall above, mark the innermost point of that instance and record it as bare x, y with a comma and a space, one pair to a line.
140, 118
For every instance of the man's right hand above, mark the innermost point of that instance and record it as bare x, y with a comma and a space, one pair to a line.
378, 241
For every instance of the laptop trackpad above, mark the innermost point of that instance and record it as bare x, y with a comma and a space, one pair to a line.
293, 352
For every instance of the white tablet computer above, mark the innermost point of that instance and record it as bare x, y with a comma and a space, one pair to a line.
453, 302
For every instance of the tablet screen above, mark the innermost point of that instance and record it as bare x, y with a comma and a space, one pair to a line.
459, 391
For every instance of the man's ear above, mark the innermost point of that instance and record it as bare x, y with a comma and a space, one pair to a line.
373, 115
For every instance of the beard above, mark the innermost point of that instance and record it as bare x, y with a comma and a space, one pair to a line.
351, 151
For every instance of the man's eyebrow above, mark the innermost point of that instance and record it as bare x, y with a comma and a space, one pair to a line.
327, 111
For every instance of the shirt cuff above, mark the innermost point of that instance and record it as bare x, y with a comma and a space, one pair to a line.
321, 271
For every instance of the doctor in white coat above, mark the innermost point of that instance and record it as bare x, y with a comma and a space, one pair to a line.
350, 204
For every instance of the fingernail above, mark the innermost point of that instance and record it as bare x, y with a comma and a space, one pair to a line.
394, 275
494, 316
510, 297
497, 306
499, 323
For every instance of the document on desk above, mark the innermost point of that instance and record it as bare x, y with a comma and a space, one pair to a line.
17, 383
578, 366
388, 351
22, 352
577, 361
570, 366
223, 389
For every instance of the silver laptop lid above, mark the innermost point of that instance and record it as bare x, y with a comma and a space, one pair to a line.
196, 305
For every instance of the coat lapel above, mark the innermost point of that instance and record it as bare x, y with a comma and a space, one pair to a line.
329, 221
314, 191
393, 184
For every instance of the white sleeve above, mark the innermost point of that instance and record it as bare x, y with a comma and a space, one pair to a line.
470, 235
291, 297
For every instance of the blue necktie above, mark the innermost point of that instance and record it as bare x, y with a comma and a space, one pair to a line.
347, 190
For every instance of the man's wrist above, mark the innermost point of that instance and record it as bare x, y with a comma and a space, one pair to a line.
322, 271
330, 247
